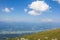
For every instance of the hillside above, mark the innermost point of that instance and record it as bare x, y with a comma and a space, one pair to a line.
45, 35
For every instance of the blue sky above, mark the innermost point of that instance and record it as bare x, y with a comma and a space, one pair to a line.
30, 10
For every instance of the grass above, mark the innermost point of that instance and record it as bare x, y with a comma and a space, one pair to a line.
45, 35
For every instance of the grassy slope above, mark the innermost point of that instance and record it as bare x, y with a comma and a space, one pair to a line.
50, 34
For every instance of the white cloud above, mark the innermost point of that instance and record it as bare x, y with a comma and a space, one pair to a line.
57, 1
47, 20
38, 7
33, 13
7, 10
25, 10
12, 8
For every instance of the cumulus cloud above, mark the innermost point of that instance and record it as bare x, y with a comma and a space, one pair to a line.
57, 1
7, 10
38, 7
33, 13
12, 8
25, 10
47, 20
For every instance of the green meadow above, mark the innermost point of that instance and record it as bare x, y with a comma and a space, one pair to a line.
44, 35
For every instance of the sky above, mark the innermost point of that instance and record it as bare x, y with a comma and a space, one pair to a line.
30, 10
